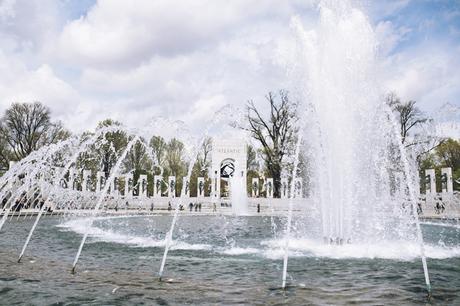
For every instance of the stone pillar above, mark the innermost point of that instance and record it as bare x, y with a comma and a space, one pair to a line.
255, 187
142, 185
298, 188
60, 175
399, 185
186, 183
284, 188
11, 164
100, 180
128, 184
86, 180
215, 185
157, 186
430, 182
200, 187
29, 182
115, 187
447, 184
172, 186
72, 178
269, 187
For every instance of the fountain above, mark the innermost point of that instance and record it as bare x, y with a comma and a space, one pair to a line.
356, 207
351, 137
238, 193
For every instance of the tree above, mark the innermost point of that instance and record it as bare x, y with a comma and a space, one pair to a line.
408, 115
449, 154
137, 158
251, 158
201, 165
175, 158
415, 128
5, 155
110, 146
276, 134
159, 146
25, 127
204, 158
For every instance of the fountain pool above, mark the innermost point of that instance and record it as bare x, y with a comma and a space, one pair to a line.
218, 260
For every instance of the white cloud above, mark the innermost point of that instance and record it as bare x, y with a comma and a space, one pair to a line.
6, 10
134, 60
19, 84
31, 24
127, 33
389, 36
383, 9
428, 74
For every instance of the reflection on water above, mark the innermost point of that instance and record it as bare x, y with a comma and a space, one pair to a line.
217, 260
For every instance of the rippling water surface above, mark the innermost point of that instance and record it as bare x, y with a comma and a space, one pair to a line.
218, 260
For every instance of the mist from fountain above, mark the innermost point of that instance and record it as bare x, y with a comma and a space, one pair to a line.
232, 117
354, 152
238, 193
348, 135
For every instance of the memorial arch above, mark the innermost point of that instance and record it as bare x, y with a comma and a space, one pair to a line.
228, 159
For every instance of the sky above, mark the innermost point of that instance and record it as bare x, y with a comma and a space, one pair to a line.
136, 60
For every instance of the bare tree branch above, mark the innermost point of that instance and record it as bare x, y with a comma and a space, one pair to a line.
276, 133
26, 127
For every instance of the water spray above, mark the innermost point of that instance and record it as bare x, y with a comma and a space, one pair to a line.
413, 199
289, 219
60, 176
102, 195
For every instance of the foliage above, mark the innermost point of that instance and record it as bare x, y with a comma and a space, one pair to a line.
201, 167
26, 127
447, 154
158, 145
